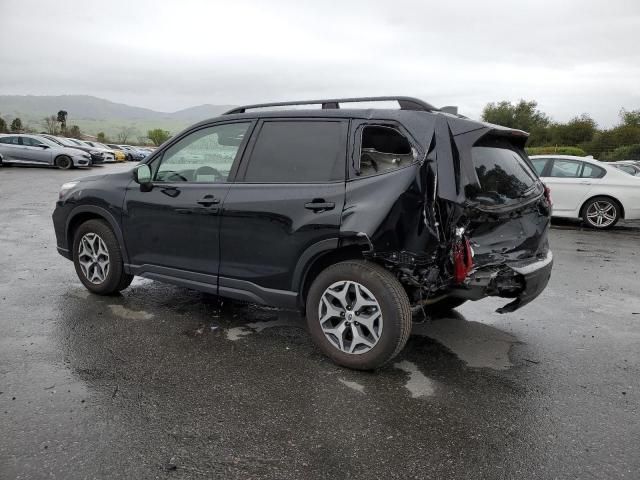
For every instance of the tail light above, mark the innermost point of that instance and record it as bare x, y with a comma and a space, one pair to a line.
462, 260
547, 195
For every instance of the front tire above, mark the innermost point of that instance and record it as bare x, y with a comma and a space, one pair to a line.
64, 163
358, 314
98, 259
601, 213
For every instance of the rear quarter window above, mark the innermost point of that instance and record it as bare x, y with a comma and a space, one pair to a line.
503, 172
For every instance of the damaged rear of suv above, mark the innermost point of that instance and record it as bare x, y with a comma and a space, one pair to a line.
359, 217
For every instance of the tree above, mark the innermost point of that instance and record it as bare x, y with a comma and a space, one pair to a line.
630, 118
576, 131
16, 125
62, 119
102, 138
124, 133
74, 132
50, 124
158, 136
523, 115
3, 125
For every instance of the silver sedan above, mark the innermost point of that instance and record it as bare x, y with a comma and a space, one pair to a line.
24, 149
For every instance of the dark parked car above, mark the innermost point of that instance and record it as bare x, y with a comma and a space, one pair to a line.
360, 217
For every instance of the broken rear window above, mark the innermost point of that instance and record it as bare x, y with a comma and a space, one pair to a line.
504, 175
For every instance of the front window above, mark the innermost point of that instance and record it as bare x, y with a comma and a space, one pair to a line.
205, 155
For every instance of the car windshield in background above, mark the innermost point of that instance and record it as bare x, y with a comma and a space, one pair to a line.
504, 175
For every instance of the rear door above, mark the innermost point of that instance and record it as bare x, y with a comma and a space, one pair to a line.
11, 148
568, 188
289, 196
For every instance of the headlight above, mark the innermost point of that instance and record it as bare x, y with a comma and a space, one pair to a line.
65, 188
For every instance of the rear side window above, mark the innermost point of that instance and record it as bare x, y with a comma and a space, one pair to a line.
592, 171
565, 168
383, 149
298, 152
10, 140
504, 175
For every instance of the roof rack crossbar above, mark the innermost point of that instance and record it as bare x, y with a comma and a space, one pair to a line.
405, 103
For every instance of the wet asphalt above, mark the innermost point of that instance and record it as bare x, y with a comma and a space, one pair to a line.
161, 383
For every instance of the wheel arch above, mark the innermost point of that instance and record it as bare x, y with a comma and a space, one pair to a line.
610, 197
321, 258
81, 214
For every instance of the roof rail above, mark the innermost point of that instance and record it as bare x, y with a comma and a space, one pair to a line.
405, 103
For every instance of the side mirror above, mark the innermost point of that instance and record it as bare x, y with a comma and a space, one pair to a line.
142, 175
42, 145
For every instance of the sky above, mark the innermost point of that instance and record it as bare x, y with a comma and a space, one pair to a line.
571, 56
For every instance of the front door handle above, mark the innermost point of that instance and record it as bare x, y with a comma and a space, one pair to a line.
318, 205
585, 182
208, 200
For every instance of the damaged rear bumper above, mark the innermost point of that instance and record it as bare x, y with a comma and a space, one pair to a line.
522, 280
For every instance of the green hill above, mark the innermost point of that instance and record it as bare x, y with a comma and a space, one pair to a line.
95, 115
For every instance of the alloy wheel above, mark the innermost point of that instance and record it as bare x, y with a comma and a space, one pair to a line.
93, 258
601, 214
350, 317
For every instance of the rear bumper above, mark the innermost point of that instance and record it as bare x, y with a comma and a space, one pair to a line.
522, 280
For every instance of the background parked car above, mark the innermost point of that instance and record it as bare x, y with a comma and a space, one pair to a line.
38, 150
107, 153
627, 167
136, 154
97, 156
117, 157
585, 188
128, 156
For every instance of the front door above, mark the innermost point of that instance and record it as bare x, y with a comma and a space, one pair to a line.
289, 196
32, 151
172, 230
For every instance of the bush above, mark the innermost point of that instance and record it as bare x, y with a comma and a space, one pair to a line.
626, 152
578, 152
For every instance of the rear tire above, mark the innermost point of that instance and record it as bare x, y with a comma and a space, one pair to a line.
64, 163
98, 259
601, 213
358, 314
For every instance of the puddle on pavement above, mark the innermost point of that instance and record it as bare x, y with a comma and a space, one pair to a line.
128, 314
236, 333
477, 344
352, 385
418, 384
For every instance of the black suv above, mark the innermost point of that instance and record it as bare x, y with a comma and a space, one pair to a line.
360, 217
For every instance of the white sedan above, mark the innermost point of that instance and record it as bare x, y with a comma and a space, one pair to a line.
585, 188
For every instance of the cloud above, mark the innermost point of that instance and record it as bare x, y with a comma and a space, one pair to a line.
572, 56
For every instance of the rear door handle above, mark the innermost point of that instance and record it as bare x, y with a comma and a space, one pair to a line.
208, 200
319, 205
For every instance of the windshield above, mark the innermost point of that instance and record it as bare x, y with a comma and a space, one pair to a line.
504, 174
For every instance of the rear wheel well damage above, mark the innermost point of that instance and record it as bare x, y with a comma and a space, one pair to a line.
324, 260
609, 197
